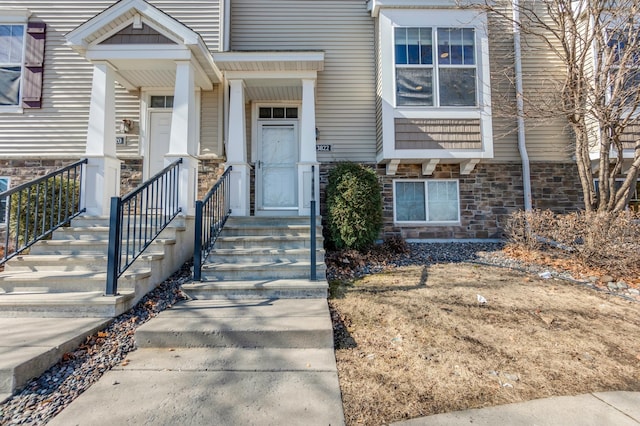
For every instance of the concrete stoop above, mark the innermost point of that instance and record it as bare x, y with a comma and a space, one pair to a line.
263, 257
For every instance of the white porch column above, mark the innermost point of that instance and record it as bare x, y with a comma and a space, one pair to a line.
237, 151
182, 141
308, 150
102, 177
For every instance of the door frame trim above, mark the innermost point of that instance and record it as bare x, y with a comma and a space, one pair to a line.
145, 121
255, 140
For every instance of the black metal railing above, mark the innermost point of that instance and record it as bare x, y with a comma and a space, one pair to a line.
312, 215
33, 210
211, 215
138, 218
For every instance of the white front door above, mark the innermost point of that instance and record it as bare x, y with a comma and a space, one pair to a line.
159, 135
276, 167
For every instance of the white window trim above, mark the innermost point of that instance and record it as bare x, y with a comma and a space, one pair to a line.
436, 67
16, 17
390, 18
426, 206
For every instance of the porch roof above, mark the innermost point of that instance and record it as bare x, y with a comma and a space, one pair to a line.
265, 61
144, 64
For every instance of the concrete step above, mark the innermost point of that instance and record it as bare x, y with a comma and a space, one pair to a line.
101, 233
264, 323
83, 304
257, 289
262, 255
271, 221
31, 345
69, 247
65, 281
280, 242
255, 230
72, 262
263, 270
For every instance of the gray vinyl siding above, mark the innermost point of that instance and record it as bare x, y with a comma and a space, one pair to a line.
210, 139
547, 134
503, 104
59, 128
344, 30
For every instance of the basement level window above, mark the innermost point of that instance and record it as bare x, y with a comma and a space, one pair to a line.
4, 185
161, 101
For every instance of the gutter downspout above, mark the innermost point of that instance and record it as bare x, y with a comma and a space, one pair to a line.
226, 30
522, 146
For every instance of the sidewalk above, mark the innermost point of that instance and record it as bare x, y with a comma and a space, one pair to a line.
596, 409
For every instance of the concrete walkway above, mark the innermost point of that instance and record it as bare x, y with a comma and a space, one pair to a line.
207, 362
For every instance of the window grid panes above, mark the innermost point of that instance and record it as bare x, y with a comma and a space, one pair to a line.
277, 112
452, 69
11, 48
427, 201
161, 101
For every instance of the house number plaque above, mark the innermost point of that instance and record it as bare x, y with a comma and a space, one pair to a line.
323, 147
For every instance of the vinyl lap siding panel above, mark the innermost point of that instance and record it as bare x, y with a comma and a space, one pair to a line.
437, 134
345, 92
59, 128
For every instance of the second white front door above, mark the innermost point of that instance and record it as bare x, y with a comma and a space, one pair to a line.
159, 136
276, 167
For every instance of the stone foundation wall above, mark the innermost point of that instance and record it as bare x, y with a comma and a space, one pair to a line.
208, 174
22, 171
487, 196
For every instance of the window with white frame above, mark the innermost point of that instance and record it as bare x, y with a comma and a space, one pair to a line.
426, 201
11, 53
435, 66
4, 185
634, 199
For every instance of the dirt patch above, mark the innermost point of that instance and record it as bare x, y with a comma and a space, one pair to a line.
419, 340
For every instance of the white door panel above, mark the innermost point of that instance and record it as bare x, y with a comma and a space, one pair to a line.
276, 172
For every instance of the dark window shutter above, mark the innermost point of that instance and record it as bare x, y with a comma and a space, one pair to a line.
33, 65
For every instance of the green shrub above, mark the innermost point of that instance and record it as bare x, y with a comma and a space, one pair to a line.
354, 206
44, 206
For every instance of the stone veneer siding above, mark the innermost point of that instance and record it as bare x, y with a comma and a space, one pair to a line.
487, 196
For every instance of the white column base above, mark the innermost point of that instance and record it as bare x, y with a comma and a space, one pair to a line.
101, 182
304, 188
239, 189
187, 181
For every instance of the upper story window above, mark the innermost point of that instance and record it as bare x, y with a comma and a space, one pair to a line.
435, 66
11, 60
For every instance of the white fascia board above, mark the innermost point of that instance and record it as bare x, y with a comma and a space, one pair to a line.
139, 51
247, 75
206, 62
374, 6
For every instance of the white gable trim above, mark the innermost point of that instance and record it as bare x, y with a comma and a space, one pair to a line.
77, 38
189, 44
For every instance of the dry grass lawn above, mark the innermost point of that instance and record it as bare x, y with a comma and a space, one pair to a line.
415, 341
